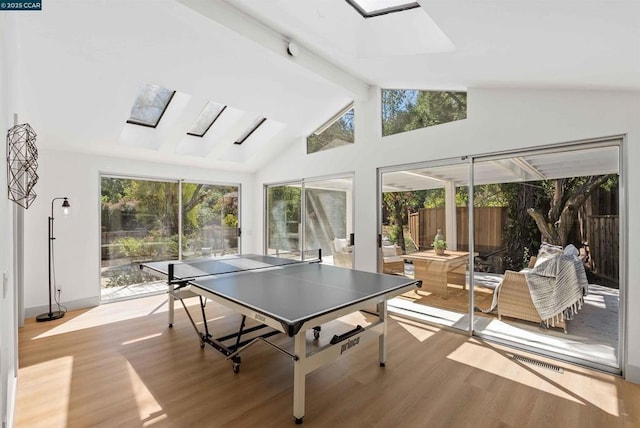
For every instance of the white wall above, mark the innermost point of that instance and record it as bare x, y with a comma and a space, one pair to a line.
8, 296
77, 244
498, 120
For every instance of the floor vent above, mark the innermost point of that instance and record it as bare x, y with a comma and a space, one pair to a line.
537, 363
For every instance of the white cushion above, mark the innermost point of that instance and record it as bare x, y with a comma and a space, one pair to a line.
392, 259
571, 250
340, 245
388, 250
547, 251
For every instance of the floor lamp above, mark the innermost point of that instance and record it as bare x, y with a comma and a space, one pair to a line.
53, 315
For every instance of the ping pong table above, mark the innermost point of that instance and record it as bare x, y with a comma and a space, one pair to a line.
284, 296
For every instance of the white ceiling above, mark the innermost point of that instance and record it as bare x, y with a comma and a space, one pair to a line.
596, 160
80, 64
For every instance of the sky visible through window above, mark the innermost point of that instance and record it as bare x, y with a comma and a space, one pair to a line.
409, 109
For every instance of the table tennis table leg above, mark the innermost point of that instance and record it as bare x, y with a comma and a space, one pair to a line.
171, 301
299, 376
382, 340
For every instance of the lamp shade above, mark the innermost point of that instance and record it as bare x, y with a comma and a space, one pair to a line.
65, 206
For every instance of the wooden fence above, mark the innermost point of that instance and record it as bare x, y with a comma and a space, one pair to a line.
604, 246
489, 224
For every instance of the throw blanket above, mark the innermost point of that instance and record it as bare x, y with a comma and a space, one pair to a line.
557, 288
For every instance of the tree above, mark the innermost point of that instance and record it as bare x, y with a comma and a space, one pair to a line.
395, 203
406, 110
337, 134
567, 196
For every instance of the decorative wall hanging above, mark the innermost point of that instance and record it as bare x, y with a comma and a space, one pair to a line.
22, 163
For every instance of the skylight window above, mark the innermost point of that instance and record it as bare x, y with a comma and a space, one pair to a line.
207, 116
335, 132
371, 8
150, 105
250, 130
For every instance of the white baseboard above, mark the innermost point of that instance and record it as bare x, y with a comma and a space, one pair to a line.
632, 373
88, 302
12, 390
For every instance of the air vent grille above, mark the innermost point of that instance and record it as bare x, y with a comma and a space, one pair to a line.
538, 363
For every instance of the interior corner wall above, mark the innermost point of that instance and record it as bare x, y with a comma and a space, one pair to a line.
8, 295
499, 119
77, 244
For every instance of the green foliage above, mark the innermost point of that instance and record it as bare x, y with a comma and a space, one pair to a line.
131, 247
406, 110
151, 247
439, 244
341, 132
230, 220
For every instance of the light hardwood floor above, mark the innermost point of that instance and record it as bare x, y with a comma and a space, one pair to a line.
119, 365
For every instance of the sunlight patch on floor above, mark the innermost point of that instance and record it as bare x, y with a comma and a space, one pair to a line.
57, 373
109, 313
148, 407
418, 330
601, 391
141, 339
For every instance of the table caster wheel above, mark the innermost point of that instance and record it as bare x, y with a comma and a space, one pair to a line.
383, 364
236, 364
316, 334
171, 325
298, 421
201, 345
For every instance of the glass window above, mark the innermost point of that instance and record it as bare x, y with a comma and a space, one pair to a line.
250, 130
140, 222
371, 8
205, 119
209, 220
283, 219
150, 104
405, 110
336, 132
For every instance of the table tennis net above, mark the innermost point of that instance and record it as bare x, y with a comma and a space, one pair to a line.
192, 269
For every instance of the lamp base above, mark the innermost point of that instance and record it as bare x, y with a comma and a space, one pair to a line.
50, 316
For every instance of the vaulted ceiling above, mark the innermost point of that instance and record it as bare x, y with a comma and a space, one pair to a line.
79, 65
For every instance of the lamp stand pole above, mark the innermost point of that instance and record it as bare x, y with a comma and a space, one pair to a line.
51, 315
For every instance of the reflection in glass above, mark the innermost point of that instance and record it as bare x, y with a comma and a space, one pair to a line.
150, 104
205, 119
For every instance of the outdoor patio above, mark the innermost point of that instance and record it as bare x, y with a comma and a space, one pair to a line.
592, 334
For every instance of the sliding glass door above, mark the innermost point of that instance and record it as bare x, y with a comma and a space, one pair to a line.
153, 219
329, 219
423, 235
283, 219
531, 247
311, 215
210, 220
548, 248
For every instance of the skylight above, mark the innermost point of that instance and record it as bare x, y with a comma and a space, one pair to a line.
150, 105
250, 130
207, 116
371, 8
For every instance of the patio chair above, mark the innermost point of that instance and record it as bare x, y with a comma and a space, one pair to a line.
392, 262
342, 253
514, 299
